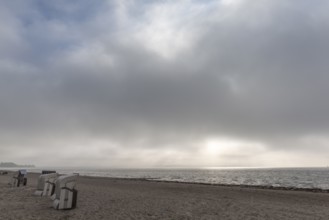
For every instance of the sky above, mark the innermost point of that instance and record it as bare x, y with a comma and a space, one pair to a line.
164, 83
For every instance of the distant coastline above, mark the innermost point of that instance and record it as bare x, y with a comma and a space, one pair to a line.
11, 164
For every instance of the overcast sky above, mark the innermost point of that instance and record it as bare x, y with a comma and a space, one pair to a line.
164, 83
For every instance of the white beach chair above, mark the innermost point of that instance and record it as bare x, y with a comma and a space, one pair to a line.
15, 180
65, 196
46, 184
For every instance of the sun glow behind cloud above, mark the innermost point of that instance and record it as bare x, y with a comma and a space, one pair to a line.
231, 2
220, 150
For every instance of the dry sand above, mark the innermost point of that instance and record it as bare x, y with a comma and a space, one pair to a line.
107, 198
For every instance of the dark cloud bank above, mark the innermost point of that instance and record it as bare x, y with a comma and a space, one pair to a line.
194, 83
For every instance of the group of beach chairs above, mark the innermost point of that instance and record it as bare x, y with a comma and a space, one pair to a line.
60, 188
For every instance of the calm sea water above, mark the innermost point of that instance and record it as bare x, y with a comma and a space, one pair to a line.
276, 177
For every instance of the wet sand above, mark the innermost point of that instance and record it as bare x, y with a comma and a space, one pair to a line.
109, 198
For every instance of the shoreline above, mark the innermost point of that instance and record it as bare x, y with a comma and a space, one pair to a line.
265, 187
312, 190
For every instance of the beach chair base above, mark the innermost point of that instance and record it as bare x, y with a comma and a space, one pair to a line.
67, 200
38, 193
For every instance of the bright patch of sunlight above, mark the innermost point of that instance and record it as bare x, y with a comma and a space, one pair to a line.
216, 146
230, 2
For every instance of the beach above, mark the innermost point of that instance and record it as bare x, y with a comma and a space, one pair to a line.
111, 198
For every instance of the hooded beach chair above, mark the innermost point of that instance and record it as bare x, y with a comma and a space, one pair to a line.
65, 196
48, 171
46, 184
19, 178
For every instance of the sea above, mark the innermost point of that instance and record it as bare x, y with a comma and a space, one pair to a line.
301, 178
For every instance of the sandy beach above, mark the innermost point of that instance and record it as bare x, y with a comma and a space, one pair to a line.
108, 198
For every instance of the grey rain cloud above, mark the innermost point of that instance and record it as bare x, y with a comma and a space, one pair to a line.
164, 83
